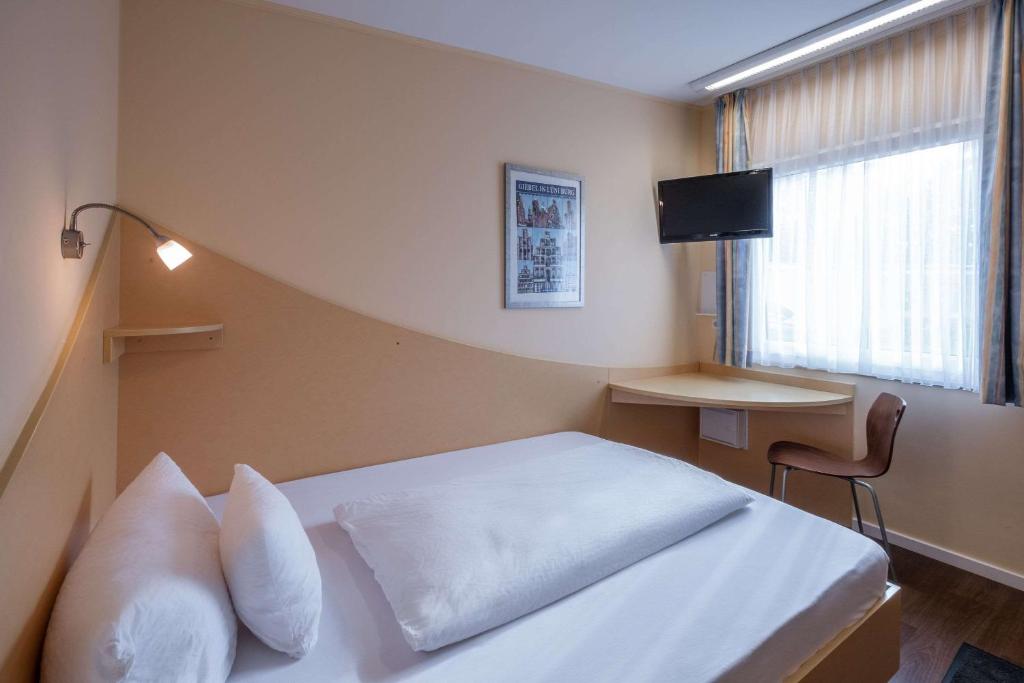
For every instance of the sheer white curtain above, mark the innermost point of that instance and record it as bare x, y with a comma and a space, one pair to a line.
873, 267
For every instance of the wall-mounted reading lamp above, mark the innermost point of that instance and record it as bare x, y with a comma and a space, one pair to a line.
72, 242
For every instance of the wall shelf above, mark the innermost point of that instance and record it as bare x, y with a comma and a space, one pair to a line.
124, 339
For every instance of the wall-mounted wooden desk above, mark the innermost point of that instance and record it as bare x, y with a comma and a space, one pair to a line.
716, 386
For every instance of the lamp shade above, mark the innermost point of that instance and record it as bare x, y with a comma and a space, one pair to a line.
173, 254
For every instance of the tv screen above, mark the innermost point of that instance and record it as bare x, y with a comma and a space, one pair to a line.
724, 206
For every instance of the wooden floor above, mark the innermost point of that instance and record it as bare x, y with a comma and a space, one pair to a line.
944, 607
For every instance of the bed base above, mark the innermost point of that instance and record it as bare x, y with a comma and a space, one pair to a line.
866, 652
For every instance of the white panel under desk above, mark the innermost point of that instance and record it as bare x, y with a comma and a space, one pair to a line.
725, 426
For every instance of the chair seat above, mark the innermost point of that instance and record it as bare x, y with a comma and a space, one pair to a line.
803, 457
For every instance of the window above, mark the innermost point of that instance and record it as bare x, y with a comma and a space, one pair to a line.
873, 266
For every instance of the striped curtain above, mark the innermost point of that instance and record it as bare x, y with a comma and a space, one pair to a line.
1001, 242
733, 258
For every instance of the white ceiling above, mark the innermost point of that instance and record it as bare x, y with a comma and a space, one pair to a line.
651, 46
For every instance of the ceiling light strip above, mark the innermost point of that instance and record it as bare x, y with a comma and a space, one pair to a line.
841, 31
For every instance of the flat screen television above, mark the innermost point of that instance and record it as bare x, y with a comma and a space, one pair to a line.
724, 206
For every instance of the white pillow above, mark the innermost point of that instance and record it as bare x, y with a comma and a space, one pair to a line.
145, 600
459, 558
270, 565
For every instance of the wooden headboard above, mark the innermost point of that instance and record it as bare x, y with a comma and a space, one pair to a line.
302, 386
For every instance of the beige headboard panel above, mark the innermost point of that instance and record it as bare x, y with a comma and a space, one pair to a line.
61, 474
302, 386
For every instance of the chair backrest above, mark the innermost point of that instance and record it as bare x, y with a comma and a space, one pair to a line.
883, 420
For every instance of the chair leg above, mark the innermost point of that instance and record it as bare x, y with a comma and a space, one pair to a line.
785, 475
771, 484
881, 524
856, 505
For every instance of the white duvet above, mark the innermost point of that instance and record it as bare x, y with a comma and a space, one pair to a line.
459, 558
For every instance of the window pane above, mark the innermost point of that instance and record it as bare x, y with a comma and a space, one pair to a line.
873, 268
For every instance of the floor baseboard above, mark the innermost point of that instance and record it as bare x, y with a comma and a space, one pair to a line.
968, 564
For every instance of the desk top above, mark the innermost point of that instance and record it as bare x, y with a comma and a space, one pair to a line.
704, 389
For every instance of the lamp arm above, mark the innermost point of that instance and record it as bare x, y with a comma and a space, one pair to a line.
112, 207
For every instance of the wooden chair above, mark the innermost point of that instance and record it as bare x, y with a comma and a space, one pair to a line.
883, 420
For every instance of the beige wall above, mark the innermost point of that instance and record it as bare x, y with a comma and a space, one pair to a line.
58, 147
958, 470
65, 477
366, 169
326, 125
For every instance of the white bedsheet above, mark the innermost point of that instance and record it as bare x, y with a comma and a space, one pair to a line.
747, 599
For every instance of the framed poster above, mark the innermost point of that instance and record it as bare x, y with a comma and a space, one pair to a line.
543, 238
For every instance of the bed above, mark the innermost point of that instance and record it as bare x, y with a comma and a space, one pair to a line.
766, 594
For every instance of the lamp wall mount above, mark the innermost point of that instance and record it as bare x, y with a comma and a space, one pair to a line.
72, 243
